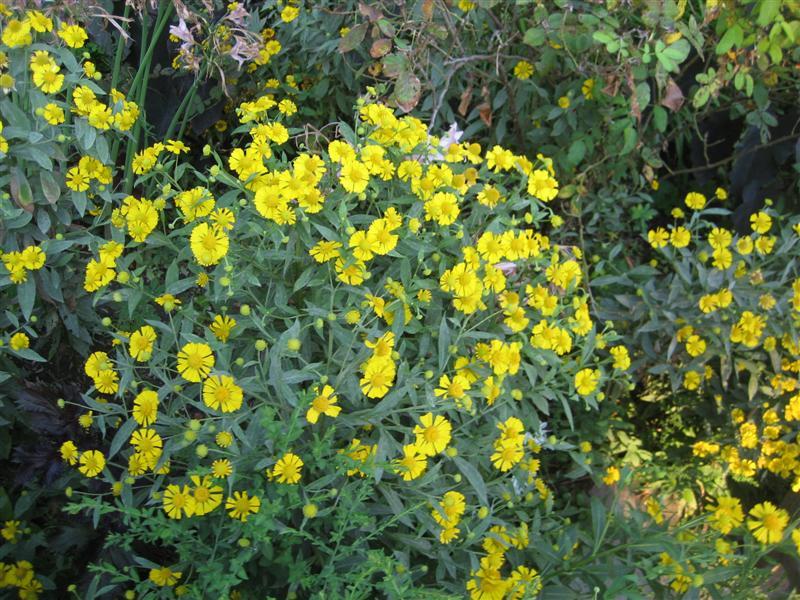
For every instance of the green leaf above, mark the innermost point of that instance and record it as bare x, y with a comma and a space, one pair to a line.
353, 38
598, 522
474, 477
660, 118
26, 296
50, 189
407, 91
629, 136
535, 36
576, 152
123, 435
732, 37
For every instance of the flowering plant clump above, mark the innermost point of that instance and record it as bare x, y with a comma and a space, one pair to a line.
356, 361
338, 327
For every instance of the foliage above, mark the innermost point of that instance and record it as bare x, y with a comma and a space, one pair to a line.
265, 334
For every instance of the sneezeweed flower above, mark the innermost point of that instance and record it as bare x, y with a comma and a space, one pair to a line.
19, 341
523, 70
224, 439
542, 185
209, 244
164, 576
760, 222
412, 464
220, 392
695, 200
287, 469
73, 35
727, 514
222, 326
612, 475
69, 452
168, 302
195, 361
178, 501
207, 496
11, 531
324, 403
145, 407
432, 434
240, 505
92, 463
324, 251
141, 343
586, 381
768, 522
221, 468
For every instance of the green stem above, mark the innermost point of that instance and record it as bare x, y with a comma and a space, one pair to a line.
118, 53
184, 105
139, 84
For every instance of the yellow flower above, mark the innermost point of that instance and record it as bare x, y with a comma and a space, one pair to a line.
178, 501
523, 70
412, 464
69, 452
17, 33
164, 577
141, 343
586, 381
195, 361
760, 222
563, 102
288, 469
209, 244
19, 341
241, 506
432, 434
74, 36
695, 200
727, 515
222, 326
207, 496
221, 393
92, 463
48, 79
145, 407
612, 475
221, 468
542, 185
324, 403
768, 522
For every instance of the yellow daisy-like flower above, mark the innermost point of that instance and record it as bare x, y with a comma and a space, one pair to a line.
195, 361
240, 505
74, 36
288, 469
209, 244
768, 522
222, 326
586, 381
542, 185
221, 393
69, 452
207, 496
221, 468
145, 407
323, 404
141, 343
164, 576
178, 501
432, 434
92, 463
